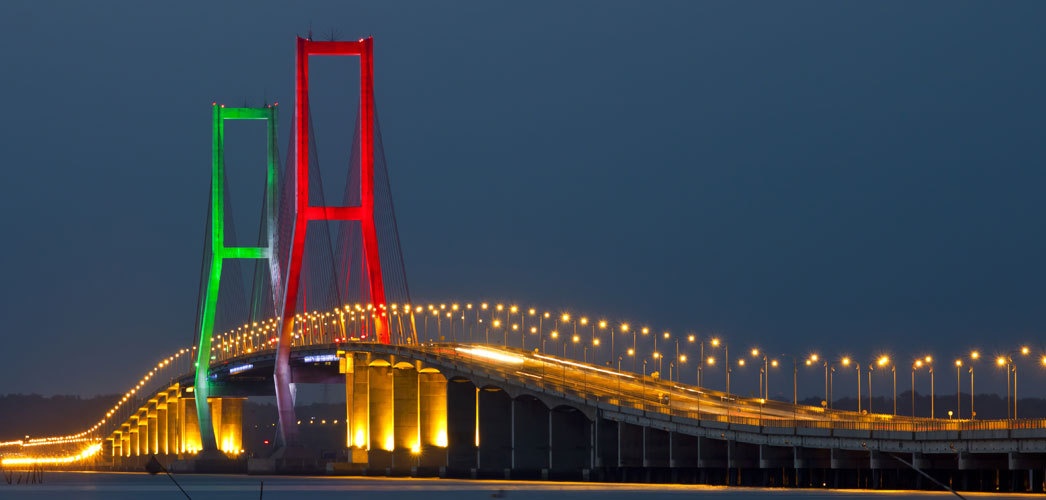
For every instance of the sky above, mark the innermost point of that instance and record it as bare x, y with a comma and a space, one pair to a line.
834, 177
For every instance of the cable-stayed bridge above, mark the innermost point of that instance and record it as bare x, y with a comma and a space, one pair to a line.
479, 389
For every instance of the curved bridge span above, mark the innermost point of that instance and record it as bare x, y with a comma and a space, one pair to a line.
478, 410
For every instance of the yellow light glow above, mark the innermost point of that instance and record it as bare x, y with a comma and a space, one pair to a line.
928, 359
813, 357
884, 360
755, 352
361, 438
565, 317
390, 444
682, 358
631, 352
441, 438
1000, 361
711, 361
918, 363
715, 342
1024, 350
773, 363
975, 355
491, 354
690, 338
741, 362
958, 362
584, 321
85, 453
846, 361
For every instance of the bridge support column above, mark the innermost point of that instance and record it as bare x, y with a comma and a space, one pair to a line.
530, 437
684, 451
432, 416
152, 423
406, 427
161, 425
190, 426
227, 416
656, 448
173, 436
495, 430
116, 452
355, 366
570, 433
134, 441
462, 432
630, 439
143, 432
125, 440
712, 460
382, 440
608, 444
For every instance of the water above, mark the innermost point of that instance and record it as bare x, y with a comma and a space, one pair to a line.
118, 486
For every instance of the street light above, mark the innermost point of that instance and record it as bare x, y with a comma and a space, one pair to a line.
883, 361
974, 356
929, 365
764, 374
958, 390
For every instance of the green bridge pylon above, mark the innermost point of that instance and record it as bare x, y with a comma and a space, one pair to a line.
220, 252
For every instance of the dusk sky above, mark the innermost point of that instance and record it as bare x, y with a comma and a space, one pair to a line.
839, 177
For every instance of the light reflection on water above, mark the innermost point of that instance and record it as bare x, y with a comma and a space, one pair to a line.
120, 486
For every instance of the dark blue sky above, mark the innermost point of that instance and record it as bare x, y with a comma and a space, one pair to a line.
840, 177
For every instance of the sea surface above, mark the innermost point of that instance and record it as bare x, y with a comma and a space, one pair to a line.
125, 486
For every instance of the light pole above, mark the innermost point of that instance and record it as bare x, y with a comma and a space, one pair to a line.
958, 390
764, 374
974, 356
929, 365
883, 361
613, 351
814, 358
726, 360
679, 367
915, 366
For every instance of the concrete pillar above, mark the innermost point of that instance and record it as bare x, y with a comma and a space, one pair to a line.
134, 441
684, 451
571, 438
143, 432
630, 445
190, 426
228, 431
462, 435
608, 445
530, 434
655, 448
495, 429
153, 420
358, 407
161, 427
173, 426
125, 439
432, 418
382, 440
405, 417
114, 449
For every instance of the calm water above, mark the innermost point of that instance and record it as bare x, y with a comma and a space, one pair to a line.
63, 485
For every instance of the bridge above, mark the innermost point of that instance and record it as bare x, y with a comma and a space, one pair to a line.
476, 389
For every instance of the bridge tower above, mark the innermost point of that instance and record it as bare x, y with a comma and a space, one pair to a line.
304, 212
220, 252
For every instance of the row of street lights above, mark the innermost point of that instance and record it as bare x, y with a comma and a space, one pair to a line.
512, 320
